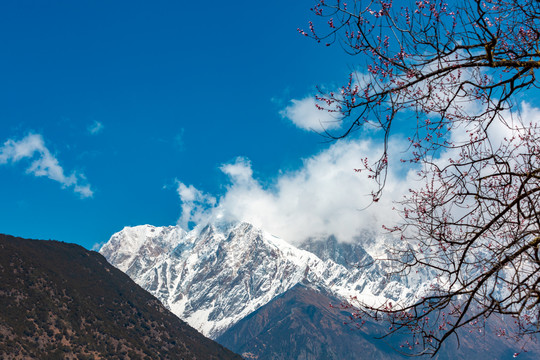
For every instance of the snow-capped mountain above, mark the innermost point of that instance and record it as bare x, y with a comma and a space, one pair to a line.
214, 276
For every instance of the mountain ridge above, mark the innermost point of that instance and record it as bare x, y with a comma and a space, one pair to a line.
203, 275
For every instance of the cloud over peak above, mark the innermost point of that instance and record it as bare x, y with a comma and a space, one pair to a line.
196, 205
324, 197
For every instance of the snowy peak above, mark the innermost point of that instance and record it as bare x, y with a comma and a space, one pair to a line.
223, 277
214, 276
133, 246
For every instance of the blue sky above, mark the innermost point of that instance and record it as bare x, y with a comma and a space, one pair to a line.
131, 97
121, 113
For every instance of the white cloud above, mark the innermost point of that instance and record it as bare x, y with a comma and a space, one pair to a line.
196, 206
85, 191
326, 196
239, 172
98, 246
305, 115
95, 128
44, 164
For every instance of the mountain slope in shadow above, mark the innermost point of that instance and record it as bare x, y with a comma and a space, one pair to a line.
301, 324
61, 301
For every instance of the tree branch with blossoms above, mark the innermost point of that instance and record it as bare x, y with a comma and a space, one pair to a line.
456, 73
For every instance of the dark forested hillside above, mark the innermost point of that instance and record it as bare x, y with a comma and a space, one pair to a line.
61, 301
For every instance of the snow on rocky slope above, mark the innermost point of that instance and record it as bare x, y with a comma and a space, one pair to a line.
216, 275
